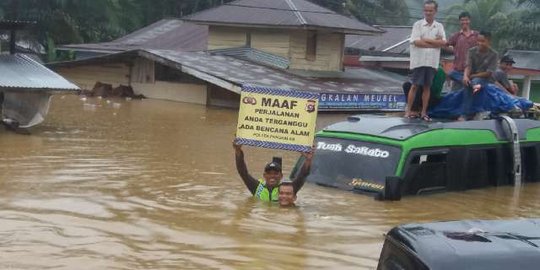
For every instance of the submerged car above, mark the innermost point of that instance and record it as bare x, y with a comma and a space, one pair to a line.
393, 156
467, 244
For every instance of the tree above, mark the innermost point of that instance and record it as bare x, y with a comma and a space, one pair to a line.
388, 12
521, 30
76, 21
483, 13
369, 11
510, 29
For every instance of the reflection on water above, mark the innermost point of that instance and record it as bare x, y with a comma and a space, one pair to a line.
113, 184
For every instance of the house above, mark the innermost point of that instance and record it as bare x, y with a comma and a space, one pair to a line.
527, 68
309, 36
26, 85
389, 50
288, 44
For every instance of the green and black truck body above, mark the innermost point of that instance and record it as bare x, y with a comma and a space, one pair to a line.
393, 156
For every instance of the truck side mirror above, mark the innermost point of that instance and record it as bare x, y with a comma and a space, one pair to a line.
392, 188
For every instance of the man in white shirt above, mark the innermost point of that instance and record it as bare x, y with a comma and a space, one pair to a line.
427, 39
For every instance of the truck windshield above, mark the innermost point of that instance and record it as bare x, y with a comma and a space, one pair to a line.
351, 164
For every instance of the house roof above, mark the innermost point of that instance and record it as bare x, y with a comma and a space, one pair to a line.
393, 40
295, 14
21, 72
166, 34
231, 73
526, 59
254, 55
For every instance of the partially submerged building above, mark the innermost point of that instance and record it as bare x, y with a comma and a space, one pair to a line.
389, 51
527, 69
26, 86
286, 44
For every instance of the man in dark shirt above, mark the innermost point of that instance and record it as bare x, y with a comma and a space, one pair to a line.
481, 63
460, 43
500, 76
267, 188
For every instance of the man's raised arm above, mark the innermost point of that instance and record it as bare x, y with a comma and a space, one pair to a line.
300, 179
250, 182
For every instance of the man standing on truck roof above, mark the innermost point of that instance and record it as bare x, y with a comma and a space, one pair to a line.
427, 39
460, 43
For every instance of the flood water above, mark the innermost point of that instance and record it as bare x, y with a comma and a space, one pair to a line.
152, 185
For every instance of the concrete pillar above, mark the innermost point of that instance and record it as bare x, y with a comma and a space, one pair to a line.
526, 87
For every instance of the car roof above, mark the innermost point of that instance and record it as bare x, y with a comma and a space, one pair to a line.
473, 244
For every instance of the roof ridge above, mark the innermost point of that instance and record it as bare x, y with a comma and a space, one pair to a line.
297, 13
282, 9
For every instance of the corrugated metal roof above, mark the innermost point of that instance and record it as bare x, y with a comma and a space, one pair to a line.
242, 72
392, 40
239, 72
254, 55
526, 59
20, 71
166, 34
280, 13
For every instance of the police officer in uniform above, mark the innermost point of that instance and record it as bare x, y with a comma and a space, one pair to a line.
267, 188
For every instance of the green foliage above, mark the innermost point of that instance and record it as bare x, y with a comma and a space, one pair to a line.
531, 3
383, 12
78, 21
520, 30
483, 13
73, 21
511, 30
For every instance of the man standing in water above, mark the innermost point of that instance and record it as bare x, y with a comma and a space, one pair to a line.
267, 188
427, 39
287, 196
460, 43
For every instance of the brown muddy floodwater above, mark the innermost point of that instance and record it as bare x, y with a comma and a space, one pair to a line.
152, 185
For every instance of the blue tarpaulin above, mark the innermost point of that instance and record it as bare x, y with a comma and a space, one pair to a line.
489, 99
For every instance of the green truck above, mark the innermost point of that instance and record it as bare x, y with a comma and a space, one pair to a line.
390, 157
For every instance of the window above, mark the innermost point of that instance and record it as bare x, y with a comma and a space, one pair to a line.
345, 163
396, 257
426, 172
167, 74
311, 46
530, 159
